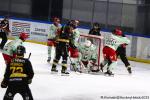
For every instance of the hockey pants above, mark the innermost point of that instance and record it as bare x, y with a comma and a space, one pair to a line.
23, 90
61, 51
121, 51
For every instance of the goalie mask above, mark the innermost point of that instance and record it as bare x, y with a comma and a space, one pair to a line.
20, 50
88, 43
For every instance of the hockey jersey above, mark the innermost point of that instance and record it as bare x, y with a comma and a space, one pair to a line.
113, 41
5, 25
75, 37
10, 48
87, 53
19, 71
53, 31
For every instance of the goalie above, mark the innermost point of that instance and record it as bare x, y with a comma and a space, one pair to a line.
87, 57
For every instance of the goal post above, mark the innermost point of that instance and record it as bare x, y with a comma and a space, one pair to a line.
96, 40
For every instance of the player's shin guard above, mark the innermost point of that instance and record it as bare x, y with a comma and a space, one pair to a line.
110, 68
49, 59
49, 53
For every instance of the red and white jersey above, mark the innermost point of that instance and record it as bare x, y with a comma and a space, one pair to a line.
53, 31
113, 41
10, 48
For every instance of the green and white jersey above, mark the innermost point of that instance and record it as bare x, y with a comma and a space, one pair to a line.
113, 41
10, 48
53, 30
75, 37
87, 53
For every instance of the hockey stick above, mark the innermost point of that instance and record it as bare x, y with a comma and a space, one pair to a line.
29, 55
71, 63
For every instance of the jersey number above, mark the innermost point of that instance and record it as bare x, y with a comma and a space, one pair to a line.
16, 69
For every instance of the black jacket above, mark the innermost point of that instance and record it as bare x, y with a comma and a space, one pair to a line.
95, 32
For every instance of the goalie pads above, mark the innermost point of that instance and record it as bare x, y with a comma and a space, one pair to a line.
93, 66
88, 66
51, 42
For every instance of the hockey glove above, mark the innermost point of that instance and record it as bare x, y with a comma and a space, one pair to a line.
4, 84
124, 45
29, 81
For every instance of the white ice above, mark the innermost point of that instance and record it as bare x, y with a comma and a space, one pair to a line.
46, 86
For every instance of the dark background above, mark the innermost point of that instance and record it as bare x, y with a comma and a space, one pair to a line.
131, 15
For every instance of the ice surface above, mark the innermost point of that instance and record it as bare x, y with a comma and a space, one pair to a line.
46, 86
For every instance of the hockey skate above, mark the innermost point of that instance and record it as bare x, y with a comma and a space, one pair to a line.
64, 72
54, 70
49, 59
101, 67
109, 73
129, 70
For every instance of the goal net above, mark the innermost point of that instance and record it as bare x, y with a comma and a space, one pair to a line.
96, 40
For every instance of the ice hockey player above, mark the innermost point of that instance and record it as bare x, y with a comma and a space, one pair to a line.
109, 51
9, 50
18, 75
73, 49
121, 51
87, 57
4, 31
52, 36
62, 44
95, 29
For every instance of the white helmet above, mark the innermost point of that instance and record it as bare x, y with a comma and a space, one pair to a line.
88, 43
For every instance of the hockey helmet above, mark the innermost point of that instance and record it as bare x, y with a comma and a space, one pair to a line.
23, 36
20, 50
6, 18
73, 23
96, 26
56, 19
117, 32
88, 43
